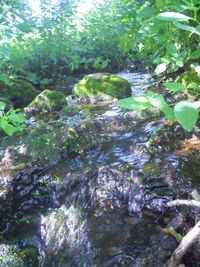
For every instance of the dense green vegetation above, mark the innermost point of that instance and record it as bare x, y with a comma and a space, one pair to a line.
60, 40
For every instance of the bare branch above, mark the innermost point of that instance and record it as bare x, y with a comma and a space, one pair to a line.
180, 202
188, 240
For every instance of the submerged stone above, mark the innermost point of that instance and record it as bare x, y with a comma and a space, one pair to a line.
19, 92
103, 85
47, 101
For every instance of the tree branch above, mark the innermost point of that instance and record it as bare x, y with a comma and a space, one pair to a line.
180, 202
188, 240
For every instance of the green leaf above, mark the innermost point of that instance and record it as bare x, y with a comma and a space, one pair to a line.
104, 64
157, 101
195, 55
175, 86
169, 113
44, 81
186, 114
14, 117
171, 48
192, 85
5, 50
97, 62
5, 79
131, 104
2, 105
160, 68
186, 28
154, 29
141, 98
172, 16
147, 12
179, 62
32, 77
6, 127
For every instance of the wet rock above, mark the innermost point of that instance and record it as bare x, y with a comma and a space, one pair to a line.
11, 162
111, 189
10, 256
61, 234
168, 137
142, 116
13, 255
20, 92
50, 142
23, 187
103, 85
47, 101
93, 229
158, 253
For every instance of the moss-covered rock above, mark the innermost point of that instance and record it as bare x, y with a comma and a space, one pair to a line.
50, 142
104, 85
70, 111
45, 102
188, 77
19, 92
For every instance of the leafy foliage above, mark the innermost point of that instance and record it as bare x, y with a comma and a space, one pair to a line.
61, 39
184, 112
11, 121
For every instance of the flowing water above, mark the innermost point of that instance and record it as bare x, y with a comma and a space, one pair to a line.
115, 194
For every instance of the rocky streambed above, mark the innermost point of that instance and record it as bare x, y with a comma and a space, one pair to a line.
88, 185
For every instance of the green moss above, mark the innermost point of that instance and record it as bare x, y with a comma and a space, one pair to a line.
10, 256
30, 256
20, 92
47, 101
152, 169
188, 77
49, 142
103, 85
70, 111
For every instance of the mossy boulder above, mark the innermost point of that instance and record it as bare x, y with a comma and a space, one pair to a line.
188, 77
50, 142
19, 92
103, 85
47, 101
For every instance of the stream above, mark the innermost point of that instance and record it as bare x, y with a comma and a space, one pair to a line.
114, 204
